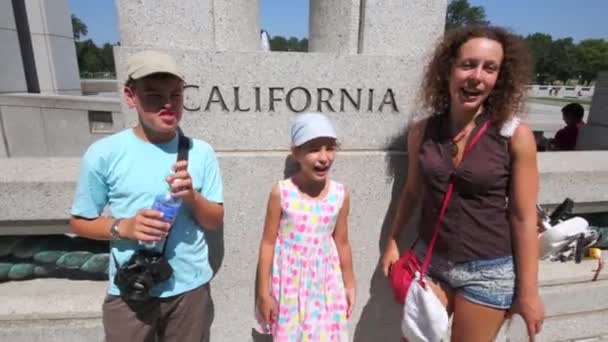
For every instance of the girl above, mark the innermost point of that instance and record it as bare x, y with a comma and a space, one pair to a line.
305, 285
485, 260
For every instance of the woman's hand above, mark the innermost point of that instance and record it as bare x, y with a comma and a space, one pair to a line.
532, 310
390, 256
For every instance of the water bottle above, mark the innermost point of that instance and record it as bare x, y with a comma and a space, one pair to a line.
169, 206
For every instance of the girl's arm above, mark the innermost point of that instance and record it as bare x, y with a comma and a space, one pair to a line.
523, 218
266, 253
342, 244
409, 197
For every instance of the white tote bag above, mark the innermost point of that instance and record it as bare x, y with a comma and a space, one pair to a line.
424, 317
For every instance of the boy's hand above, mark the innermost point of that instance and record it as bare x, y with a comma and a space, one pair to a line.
268, 308
181, 183
147, 225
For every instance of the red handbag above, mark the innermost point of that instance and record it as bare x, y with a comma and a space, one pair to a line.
404, 270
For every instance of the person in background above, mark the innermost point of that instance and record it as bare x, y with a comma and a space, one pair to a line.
565, 139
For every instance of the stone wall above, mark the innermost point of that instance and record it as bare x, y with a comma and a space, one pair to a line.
35, 125
39, 200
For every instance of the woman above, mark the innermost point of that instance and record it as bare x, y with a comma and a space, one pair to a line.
485, 261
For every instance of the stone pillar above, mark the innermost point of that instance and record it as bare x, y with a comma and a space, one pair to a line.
594, 135
52, 41
237, 25
398, 27
334, 26
374, 27
11, 68
190, 24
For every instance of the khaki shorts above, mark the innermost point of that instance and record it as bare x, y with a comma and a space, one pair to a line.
186, 317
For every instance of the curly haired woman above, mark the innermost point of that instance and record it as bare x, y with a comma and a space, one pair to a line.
485, 260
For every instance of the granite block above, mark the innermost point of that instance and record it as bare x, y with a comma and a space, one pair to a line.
58, 122
64, 64
49, 17
7, 18
186, 24
269, 86
11, 68
24, 131
334, 26
237, 25
395, 27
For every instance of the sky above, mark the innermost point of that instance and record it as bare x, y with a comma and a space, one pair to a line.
560, 18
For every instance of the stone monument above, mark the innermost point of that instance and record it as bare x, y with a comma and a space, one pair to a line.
594, 135
38, 54
363, 71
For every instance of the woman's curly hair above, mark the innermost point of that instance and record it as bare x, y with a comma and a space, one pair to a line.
509, 93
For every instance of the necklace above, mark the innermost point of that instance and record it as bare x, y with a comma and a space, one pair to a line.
461, 135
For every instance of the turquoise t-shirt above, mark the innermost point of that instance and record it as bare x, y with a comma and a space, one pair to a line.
126, 173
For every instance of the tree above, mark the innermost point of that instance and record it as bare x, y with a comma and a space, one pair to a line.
279, 43
540, 47
89, 57
593, 57
79, 28
107, 57
293, 44
461, 13
303, 45
563, 62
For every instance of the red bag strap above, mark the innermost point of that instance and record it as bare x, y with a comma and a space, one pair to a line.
446, 200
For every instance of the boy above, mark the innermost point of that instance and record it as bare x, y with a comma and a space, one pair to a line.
565, 139
125, 171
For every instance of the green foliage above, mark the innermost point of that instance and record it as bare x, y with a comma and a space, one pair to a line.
92, 60
564, 60
79, 28
461, 13
279, 43
592, 57
540, 48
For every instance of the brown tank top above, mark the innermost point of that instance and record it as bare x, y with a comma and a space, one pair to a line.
476, 224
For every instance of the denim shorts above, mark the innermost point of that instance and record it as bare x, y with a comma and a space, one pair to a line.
489, 282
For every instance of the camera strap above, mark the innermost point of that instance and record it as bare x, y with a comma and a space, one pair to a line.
183, 148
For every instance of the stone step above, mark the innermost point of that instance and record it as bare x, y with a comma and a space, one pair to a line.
70, 310
52, 330
51, 299
590, 326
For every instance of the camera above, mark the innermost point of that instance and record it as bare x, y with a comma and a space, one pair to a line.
144, 270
